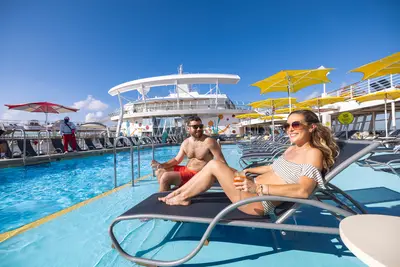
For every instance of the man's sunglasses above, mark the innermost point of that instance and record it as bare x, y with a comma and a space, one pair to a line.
295, 125
197, 126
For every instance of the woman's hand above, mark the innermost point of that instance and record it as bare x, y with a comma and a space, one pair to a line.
247, 185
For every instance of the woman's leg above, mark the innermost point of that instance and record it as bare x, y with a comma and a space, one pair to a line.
204, 180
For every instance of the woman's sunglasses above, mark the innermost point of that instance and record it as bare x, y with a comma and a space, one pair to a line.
295, 125
200, 126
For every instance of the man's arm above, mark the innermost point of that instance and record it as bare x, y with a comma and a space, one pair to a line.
215, 149
175, 161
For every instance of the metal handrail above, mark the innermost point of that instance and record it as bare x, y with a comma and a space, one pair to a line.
152, 150
48, 141
367, 86
23, 146
115, 159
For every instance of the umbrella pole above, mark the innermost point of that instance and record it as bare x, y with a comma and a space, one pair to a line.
386, 120
289, 87
45, 123
319, 114
273, 128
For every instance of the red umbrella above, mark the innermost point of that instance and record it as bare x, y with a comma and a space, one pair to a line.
43, 107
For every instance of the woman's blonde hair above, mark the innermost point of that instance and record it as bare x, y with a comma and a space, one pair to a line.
321, 138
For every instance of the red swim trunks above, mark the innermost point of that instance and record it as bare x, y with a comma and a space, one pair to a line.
186, 174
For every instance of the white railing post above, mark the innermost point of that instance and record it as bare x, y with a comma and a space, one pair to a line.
369, 86
391, 80
351, 91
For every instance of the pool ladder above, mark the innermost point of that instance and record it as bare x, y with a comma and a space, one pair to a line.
116, 140
23, 146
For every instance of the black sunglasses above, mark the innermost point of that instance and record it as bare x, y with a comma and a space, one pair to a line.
295, 125
197, 126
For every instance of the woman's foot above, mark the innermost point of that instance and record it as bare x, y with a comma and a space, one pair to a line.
178, 201
170, 195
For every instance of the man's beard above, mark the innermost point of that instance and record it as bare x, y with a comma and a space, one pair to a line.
197, 134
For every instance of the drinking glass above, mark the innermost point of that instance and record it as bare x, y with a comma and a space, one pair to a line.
239, 176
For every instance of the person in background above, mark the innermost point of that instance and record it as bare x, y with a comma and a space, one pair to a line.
67, 131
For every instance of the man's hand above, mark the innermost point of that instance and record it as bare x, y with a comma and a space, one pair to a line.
155, 164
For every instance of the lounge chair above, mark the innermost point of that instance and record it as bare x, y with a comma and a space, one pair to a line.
8, 153
384, 162
90, 145
58, 145
119, 144
105, 143
29, 151
215, 208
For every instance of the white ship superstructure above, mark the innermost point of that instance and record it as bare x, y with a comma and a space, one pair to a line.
159, 114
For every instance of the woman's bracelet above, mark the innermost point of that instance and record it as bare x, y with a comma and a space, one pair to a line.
261, 189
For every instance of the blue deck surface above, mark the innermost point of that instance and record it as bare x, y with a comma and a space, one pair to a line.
80, 238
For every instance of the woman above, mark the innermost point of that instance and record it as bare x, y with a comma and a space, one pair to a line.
294, 174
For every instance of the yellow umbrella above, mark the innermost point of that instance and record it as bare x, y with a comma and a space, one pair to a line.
248, 116
385, 66
273, 102
287, 110
381, 95
268, 118
272, 119
291, 81
321, 101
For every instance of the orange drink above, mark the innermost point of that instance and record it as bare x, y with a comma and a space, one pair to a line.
239, 178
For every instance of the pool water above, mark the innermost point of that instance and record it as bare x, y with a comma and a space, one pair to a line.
28, 194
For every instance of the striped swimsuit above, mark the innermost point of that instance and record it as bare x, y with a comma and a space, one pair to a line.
291, 172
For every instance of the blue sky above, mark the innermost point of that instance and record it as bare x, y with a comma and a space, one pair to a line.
73, 52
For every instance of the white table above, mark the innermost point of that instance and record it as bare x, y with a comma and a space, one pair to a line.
374, 239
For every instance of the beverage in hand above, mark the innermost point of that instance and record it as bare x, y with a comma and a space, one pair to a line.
239, 177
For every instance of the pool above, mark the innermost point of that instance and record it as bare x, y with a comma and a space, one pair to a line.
80, 238
28, 194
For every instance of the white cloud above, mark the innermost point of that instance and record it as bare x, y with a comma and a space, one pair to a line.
96, 116
343, 84
90, 103
313, 95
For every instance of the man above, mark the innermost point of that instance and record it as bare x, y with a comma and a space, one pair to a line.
67, 131
199, 148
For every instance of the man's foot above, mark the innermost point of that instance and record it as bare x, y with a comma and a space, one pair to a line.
65, 152
177, 201
75, 151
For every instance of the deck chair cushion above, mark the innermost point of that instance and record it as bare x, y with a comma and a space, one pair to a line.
205, 206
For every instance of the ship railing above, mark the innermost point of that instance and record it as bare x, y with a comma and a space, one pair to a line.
23, 146
170, 106
368, 86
